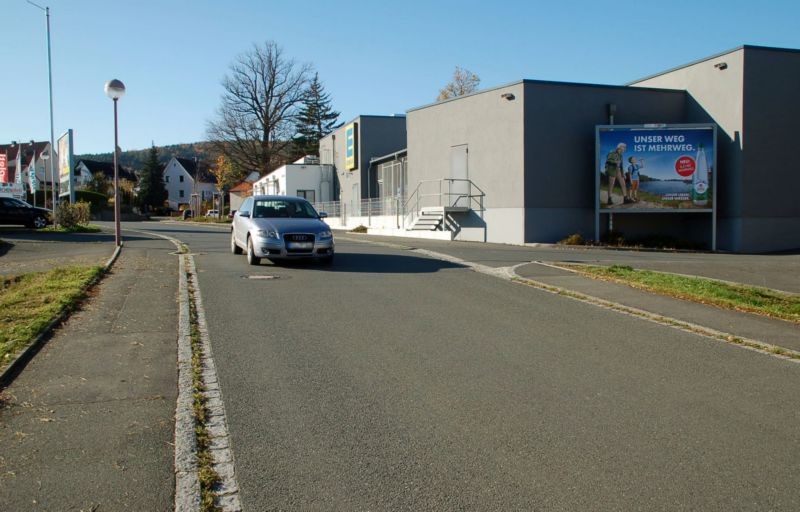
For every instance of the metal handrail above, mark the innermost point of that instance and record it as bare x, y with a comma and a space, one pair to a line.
412, 206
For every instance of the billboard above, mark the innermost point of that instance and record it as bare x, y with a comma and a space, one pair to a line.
3, 168
351, 146
66, 174
657, 168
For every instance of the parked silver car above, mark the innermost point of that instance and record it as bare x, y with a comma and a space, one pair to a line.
280, 227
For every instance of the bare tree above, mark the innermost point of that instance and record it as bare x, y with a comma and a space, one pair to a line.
464, 82
256, 119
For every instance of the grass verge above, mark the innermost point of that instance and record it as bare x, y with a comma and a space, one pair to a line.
205, 461
752, 299
29, 302
90, 228
210, 220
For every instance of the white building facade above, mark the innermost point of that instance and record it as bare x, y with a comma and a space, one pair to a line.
181, 185
305, 178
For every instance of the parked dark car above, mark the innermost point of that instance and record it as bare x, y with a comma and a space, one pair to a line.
187, 214
14, 211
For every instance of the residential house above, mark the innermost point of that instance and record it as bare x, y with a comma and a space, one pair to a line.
181, 185
86, 169
242, 191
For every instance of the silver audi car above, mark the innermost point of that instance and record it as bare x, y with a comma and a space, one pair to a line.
280, 227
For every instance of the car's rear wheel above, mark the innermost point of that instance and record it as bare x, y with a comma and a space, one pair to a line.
235, 249
252, 259
39, 222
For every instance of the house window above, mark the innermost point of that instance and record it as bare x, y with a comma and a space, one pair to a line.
180, 178
166, 179
307, 195
180, 192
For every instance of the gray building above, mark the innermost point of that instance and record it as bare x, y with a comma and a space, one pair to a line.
528, 151
517, 163
753, 94
370, 137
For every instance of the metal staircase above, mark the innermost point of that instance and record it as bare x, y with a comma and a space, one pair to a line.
432, 205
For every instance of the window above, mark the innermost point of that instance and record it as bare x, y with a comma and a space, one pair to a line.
308, 195
287, 208
166, 178
180, 193
248, 204
180, 178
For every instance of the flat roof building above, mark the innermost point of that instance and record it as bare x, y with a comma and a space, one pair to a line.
522, 158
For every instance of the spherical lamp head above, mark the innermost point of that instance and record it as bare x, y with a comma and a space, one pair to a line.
115, 89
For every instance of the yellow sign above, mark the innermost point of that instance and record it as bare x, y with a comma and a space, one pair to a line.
351, 146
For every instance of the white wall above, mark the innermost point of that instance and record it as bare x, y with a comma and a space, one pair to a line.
172, 182
288, 179
173, 173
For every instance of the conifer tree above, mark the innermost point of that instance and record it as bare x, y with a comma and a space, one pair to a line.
316, 118
152, 192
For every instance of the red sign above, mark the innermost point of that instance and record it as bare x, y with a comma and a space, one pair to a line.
3, 168
685, 166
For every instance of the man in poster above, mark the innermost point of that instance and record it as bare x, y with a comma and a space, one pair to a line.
614, 172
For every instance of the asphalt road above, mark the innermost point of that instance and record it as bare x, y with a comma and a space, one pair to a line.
391, 381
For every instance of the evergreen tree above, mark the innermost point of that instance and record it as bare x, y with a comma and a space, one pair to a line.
316, 118
152, 192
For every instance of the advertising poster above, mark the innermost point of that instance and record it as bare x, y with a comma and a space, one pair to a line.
65, 171
351, 146
664, 168
3, 168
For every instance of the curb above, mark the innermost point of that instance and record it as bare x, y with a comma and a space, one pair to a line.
24, 357
510, 274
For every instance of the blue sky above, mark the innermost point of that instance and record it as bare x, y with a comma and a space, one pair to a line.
373, 57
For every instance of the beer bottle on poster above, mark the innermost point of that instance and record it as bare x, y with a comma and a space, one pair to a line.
700, 179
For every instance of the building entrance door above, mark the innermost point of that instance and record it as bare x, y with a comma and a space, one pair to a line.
459, 171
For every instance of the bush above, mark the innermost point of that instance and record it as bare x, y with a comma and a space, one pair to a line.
71, 215
359, 229
96, 201
573, 239
613, 238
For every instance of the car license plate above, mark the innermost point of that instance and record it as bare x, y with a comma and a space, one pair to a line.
300, 245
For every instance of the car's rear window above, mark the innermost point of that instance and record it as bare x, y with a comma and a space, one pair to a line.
277, 208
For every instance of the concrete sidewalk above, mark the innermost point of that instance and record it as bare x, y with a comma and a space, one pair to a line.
88, 424
746, 325
29, 251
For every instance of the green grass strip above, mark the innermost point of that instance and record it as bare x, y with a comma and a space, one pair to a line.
206, 474
89, 228
751, 299
29, 302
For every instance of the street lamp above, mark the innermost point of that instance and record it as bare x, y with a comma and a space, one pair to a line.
52, 134
115, 89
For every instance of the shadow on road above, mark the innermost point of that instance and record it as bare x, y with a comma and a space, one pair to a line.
374, 263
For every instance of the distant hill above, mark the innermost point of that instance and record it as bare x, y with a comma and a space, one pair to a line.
135, 158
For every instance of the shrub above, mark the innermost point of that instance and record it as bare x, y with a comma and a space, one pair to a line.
359, 229
97, 201
573, 239
613, 238
71, 215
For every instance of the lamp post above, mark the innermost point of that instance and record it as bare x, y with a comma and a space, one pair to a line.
45, 156
115, 89
52, 134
